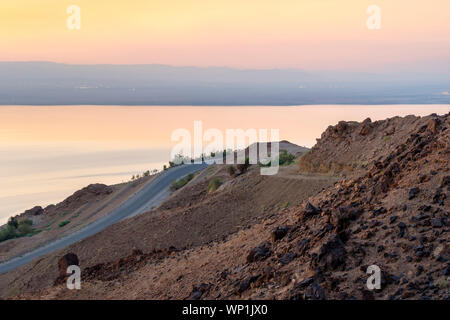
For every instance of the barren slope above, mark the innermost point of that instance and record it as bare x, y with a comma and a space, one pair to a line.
81, 208
391, 211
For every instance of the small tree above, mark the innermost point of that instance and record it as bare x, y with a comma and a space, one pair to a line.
12, 222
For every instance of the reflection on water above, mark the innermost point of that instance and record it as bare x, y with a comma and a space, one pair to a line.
47, 153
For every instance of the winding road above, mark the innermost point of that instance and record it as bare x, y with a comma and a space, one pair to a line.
151, 195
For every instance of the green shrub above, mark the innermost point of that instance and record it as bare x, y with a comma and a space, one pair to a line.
285, 158
24, 228
214, 184
13, 222
15, 229
62, 224
8, 233
178, 184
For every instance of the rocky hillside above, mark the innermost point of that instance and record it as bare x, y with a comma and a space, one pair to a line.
351, 146
391, 209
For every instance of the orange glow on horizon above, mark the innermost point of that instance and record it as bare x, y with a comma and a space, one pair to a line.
309, 34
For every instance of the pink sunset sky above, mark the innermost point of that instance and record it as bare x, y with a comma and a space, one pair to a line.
306, 34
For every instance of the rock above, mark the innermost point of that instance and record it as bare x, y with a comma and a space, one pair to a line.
433, 125
36, 211
439, 197
331, 255
419, 270
366, 127
413, 193
401, 225
378, 211
392, 219
197, 293
302, 246
310, 210
259, 253
279, 233
65, 261
436, 223
441, 250
445, 181
305, 283
244, 285
288, 257
314, 292
447, 271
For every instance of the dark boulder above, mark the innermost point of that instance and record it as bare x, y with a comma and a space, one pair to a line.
64, 262
288, 257
311, 210
413, 193
279, 233
259, 253
331, 255
245, 284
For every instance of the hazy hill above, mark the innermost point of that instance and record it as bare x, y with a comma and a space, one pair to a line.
46, 83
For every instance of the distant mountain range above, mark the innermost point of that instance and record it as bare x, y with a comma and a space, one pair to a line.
47, 83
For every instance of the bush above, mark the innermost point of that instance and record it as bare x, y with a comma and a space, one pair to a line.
8, 233
175, 185
13, 222
15, 229
24, 228
214, 184
286, 158
62, 224
231, 171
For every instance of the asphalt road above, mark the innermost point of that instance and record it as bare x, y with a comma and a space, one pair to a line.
152, 194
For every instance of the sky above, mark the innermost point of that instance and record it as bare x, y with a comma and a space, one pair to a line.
305, 34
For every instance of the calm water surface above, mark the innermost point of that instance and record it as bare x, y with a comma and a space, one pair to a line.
47, 153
